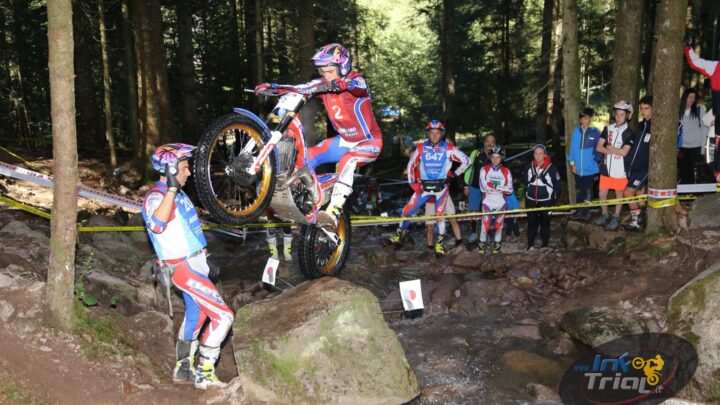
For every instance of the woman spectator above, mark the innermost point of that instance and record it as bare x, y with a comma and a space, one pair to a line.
692, 135
542, 186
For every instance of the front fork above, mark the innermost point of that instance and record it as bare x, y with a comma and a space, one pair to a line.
275, 137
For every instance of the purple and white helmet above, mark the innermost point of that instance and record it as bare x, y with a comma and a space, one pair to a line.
333, 55
171, 154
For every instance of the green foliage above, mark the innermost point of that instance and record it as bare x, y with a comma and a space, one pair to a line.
99, 335
86, 298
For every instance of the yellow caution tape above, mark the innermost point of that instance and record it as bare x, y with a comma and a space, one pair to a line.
25, 207
28, 164
668, 202
366, 220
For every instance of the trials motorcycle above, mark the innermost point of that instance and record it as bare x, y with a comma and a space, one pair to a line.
245, 165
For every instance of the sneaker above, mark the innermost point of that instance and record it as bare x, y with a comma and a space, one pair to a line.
481, 248
614, 223
439, 249
273, 250
529, 249
496, 247
397, 240
472, 238
287, 252
184, 372
602, 220
206, 378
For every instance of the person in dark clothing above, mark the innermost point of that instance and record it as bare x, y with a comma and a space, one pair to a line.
542, 186
692, 135
637, 163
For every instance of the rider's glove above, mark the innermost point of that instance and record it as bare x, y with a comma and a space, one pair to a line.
417, 187
265, 86
336, 86
171, 172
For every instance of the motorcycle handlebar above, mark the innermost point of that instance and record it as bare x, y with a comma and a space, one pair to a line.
282, 89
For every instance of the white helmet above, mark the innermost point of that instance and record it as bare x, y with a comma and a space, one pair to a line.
623, 105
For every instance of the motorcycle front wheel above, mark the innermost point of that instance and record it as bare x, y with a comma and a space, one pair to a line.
226, 190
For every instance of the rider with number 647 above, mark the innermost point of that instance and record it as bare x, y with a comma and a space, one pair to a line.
347, 102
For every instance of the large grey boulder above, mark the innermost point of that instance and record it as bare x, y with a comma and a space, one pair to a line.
694, 314
324, 341
704, 212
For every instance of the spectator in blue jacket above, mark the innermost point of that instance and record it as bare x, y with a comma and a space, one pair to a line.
583, 160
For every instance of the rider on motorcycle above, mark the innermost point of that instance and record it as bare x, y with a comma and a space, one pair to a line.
347, 102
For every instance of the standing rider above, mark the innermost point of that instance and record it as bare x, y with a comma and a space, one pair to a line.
177, 237
347, 102
433, 158
495, 184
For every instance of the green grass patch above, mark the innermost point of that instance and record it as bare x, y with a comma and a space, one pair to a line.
11, 393
99, 335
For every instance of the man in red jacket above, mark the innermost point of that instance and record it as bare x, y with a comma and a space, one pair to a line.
710, 69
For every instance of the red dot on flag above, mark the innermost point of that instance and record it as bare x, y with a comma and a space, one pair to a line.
269, 270
412, 295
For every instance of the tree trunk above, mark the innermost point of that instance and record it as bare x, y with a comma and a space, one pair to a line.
237, 61
653, 56
648, 35
253, 44
306, 69
107, 86
571, 79
626, 55
186, 65
132, 95
157, 58
541, 117
63, 232
148, 101
670, 30
20, 100
446, 65
88, 120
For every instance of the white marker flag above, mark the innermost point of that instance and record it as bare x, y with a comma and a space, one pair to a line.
270, 269
411, 295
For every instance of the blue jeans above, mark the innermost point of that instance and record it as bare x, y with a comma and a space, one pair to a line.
474, 199
584, 191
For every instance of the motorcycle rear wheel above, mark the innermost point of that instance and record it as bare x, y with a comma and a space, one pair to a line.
317, 258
